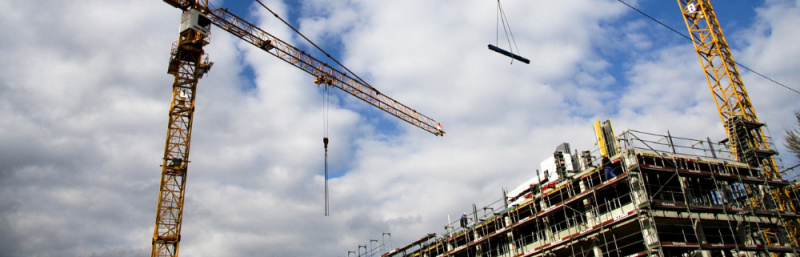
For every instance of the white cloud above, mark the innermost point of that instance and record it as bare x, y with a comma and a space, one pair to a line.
83, 101
769, 52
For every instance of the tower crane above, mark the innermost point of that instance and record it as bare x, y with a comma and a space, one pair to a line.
188, 63
746, 139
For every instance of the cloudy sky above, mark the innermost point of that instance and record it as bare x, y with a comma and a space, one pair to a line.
84, 96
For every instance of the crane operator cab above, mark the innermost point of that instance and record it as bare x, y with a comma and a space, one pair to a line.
193, 19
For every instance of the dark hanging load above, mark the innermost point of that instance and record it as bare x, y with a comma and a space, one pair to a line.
509, 54
512, 43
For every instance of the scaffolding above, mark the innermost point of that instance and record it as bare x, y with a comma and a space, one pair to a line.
671, 196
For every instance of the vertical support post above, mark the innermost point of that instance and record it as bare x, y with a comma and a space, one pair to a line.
384, 241
701, 236
711, 147
359, 249
671, 144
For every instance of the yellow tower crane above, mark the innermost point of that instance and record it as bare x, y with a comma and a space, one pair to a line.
188, 63
746, 139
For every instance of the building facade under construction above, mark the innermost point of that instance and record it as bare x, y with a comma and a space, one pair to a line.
654, 195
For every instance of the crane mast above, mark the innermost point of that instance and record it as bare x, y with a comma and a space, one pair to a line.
746, 138
188, 63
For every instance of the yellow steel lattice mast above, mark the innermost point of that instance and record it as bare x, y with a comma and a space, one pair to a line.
747, 140
188, 64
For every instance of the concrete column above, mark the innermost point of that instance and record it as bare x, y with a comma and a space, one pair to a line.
449, 244
686, 189
478, 248
548, 234
636, 190
512, 249
587, 203
546, 222
597, 251
510, 236
701, 236
649, 233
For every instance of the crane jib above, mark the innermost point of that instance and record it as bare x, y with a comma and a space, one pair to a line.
292, 55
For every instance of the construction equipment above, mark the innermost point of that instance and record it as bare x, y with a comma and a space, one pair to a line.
501, 16
606, 138
188, 63
746, 138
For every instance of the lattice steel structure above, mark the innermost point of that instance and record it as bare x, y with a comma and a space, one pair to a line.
188, 64
744, 131
322, 73
747, 138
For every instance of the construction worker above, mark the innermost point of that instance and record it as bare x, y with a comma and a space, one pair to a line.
464, 220
609, 172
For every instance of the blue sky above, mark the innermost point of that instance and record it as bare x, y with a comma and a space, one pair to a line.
83, 100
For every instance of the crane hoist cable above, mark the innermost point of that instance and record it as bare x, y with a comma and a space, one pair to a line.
325, 84
325, 116
501, 18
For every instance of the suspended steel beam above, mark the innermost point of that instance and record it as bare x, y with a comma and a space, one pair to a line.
509, 54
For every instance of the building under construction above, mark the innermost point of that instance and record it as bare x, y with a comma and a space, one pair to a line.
667, 196
647, 194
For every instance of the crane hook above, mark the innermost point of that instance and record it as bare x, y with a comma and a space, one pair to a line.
327, 199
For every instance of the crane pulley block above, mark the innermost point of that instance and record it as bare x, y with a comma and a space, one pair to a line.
322, 79
266, 45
